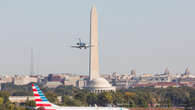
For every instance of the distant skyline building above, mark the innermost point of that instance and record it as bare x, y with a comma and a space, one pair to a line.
167, 71
133, 72
187, 71
96, 84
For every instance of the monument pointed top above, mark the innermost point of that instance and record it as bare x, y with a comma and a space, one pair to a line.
93, 8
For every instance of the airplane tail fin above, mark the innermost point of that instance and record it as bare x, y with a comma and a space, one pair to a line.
40, 99
79, 40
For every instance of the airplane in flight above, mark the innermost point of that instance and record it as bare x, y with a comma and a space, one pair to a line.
81, 45
43, 104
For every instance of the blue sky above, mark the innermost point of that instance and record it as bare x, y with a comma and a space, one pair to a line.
146, 35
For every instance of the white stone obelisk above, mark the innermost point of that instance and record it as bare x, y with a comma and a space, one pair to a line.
96, 84
94, 57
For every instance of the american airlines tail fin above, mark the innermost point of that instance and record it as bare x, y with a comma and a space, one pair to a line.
40, 99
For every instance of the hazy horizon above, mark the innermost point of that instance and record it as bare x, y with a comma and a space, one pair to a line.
148, 36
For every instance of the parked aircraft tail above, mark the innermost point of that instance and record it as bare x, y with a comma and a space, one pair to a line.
40, 99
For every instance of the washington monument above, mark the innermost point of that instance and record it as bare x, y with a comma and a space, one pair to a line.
94, 57
96, 83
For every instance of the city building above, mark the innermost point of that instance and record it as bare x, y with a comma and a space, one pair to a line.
24, 80
81, 83
52, 84
6, 79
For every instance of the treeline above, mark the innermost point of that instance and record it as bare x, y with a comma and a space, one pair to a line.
132, 97
15, 90
5, 104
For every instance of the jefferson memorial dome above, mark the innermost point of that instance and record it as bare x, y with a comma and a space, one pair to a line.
99, 85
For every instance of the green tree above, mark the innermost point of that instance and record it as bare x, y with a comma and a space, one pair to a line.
80, 96
1, 101
105, 98
92, 99
118, 98
30, 104
52, 97
131, 103
192, 102
67, 101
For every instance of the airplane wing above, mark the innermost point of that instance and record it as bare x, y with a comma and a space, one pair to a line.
75, 46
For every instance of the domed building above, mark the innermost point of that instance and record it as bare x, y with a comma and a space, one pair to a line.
96, 83
99, 85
